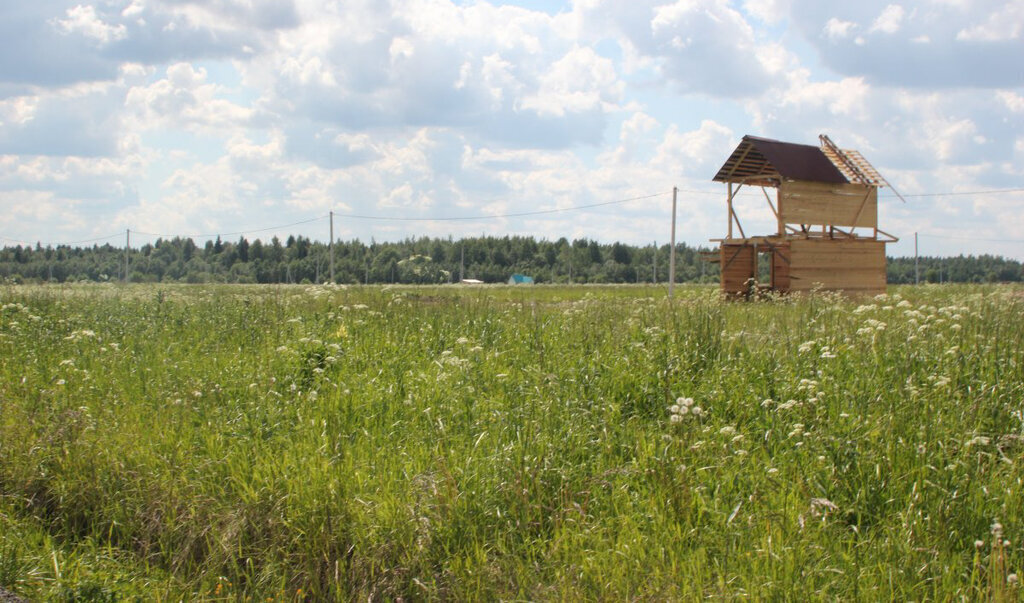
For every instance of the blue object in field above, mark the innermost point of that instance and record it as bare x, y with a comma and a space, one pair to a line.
520, 279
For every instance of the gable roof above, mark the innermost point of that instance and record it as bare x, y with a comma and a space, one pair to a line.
763, 162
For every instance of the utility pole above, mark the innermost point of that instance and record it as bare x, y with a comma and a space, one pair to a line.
330, 247
654, 270
462, 262
917, 272
672, 249
127, 245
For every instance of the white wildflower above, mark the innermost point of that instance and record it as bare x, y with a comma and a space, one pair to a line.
822, 506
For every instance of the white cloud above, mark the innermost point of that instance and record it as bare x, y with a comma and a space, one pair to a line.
1004, 23
847, 97
580, 81
83, 19
697, 152
837, 29
184, 99
922, 44
769, 11
697, 46
1013, 101
890, 20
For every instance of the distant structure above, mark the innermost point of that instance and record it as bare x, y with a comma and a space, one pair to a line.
826, 206
520, 279
470, 281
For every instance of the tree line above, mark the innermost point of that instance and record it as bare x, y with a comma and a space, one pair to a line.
418, 260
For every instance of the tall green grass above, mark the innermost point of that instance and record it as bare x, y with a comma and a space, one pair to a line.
495, 442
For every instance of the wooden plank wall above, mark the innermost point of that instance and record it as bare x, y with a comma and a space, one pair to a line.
835, 264
780, 268
737, 262
802, 202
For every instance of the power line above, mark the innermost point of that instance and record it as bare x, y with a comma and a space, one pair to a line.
935, 236
63, 244
481, 217
353, 216
997, 191
230, 234
496, 216
964, 193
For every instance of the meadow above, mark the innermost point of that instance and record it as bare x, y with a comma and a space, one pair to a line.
569, 443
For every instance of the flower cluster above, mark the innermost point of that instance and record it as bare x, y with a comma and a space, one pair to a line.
684, 407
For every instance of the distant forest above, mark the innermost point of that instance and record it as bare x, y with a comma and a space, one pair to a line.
419, 260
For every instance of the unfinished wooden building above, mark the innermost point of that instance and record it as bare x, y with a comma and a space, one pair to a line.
826, 207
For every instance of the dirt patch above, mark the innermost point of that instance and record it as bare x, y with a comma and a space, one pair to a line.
9, 597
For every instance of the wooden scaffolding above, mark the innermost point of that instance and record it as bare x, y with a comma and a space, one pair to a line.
826, 207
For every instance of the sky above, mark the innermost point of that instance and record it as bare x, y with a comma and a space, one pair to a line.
440, 118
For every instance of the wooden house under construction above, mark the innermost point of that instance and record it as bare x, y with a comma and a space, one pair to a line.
826, 206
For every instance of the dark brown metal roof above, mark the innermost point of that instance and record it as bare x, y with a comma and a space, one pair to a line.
763, 162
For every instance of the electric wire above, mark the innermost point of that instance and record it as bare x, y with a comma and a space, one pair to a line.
497, 216
231, 234
482, 217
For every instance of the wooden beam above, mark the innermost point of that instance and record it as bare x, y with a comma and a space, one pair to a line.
738, 225
739, 161
860, 209
879, 231
729, 203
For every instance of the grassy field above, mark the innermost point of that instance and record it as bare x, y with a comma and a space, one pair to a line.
290, 443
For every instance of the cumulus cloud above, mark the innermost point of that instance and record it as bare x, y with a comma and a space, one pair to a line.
502, 73
769, 11
836, 29
928, 44
81, 120
185, 100
698, 46
1005, 23
889, 21
83, 19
